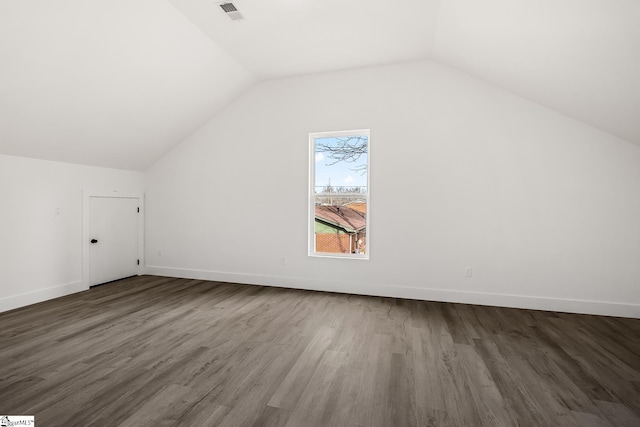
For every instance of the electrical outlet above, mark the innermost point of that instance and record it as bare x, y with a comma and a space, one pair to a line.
283, 261
469, 272
159, 252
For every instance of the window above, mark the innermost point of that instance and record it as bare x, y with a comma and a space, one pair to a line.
339, 194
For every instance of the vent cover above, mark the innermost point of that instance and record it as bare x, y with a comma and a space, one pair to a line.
232, 11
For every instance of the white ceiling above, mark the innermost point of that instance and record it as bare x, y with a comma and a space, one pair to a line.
579, 57
118, 83
281, 38
112, 83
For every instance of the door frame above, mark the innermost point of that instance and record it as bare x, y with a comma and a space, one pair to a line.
86, 228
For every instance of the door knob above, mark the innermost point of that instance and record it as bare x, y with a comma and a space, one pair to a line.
94, 241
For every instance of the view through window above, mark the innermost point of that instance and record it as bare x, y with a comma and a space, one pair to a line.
339, 194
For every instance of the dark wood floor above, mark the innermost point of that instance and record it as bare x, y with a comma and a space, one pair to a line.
158, 351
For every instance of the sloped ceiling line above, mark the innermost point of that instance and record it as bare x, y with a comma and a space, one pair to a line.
120, 83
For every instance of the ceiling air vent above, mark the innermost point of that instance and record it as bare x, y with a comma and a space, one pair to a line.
231, 11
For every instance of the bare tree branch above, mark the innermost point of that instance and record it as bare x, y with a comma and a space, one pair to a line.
347, 149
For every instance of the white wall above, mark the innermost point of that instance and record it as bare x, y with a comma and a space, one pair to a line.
41, 225
545, 209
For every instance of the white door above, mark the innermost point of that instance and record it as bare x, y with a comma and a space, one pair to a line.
113, 234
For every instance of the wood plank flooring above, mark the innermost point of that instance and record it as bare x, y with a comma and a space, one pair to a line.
155, 351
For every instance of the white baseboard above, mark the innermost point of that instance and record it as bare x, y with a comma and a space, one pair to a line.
21, 300
426, 294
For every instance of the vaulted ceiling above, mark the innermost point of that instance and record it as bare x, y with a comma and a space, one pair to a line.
118, 83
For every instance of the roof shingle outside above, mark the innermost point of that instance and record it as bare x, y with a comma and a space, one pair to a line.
349, 219
359, 206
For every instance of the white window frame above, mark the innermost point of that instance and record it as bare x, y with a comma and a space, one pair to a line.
312, 186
